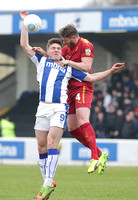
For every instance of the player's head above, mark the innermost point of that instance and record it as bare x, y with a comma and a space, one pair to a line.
69, 35
54, 49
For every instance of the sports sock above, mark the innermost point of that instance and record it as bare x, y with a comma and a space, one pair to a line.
42, 164
51, 166
86, 135
99, 153
90, 138
78, 134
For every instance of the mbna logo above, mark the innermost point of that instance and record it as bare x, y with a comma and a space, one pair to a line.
8, 151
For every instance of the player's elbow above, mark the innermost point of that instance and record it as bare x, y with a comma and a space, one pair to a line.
22, 45
86, 68
87, 64
92, 78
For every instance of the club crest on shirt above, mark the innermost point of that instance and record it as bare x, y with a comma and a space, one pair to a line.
88, 52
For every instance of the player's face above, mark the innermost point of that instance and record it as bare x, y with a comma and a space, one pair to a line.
54, 52
70, 42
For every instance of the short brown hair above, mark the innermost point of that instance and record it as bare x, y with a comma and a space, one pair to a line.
68, 31
54, 40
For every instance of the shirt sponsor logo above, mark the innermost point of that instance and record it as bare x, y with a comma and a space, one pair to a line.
55, 66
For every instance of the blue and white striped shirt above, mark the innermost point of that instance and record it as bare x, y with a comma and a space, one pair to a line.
53, 79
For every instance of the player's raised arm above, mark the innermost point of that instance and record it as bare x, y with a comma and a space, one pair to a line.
40, 51
84, 65
102, 75
24, 39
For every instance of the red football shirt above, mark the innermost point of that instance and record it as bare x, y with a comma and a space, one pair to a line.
82, 49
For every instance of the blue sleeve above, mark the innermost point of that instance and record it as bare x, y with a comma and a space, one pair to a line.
38, 56
79, 75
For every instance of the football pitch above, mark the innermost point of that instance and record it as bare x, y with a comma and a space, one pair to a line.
73, 183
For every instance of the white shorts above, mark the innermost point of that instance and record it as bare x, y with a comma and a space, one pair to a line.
48, 115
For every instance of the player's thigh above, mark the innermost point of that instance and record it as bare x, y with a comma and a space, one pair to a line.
54, 136
72, 122
71, 103
82, 115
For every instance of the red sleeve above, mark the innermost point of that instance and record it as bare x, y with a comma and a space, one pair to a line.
87, 50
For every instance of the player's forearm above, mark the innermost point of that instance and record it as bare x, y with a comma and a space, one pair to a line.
98, 76
24, 43
24, 39
79, 66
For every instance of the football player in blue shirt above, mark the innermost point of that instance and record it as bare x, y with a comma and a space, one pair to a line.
52, 110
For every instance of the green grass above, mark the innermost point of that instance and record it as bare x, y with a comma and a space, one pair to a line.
73, 183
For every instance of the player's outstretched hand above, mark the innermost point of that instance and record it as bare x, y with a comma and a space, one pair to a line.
23, 14
116, 67
40, 51
63, 63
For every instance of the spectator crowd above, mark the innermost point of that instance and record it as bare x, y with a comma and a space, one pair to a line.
114, 112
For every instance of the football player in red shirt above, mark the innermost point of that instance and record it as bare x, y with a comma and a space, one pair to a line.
79, 53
